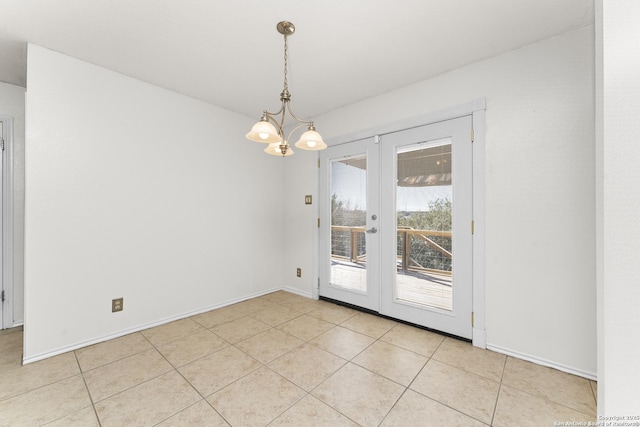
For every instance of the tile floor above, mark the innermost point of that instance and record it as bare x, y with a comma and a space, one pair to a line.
285, 360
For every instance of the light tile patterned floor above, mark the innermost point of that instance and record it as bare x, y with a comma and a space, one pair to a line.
285, 360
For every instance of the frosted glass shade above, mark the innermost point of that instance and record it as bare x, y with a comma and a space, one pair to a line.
263, 131
311, 140
274, 150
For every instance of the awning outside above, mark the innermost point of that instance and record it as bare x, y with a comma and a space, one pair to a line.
418, 168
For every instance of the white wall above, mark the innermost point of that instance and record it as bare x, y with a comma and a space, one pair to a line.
12, 104
301, 172
618, 206
540, 241
134, 191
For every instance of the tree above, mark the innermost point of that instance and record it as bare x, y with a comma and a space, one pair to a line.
438, 217
343, 214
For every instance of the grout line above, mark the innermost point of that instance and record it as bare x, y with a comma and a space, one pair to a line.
135, 385
200, 329
553, 402
195, 389
113, 361
3, 399
333, 409
418, 374
306, 393
504, 368
593, 391
394, 405
465, 370
450, 407
495, 406
86, 386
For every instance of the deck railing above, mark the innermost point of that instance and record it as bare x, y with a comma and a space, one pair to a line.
418, 250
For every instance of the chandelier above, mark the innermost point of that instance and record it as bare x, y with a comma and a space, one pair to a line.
270, 128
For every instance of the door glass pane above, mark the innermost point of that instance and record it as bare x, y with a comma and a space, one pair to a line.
348, 220
424, 219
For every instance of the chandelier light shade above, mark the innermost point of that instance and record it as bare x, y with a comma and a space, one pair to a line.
263, 131
270, 128
275, 149
311, 140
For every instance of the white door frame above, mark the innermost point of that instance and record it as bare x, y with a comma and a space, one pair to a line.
475, 108
7, 222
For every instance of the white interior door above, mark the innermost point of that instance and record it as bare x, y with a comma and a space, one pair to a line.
349, 242
426, 228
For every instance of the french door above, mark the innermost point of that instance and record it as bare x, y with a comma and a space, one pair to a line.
349, 245
396, 225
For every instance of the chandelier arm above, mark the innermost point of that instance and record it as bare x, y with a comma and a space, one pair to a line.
307, 122
273, 118
276, 124
280, 111
296, 128
283, 117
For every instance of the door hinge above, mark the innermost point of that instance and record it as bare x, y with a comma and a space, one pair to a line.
318, 163
318, 283
2, 143
318, 222
473, 135
472, 319
2, 296
473, 227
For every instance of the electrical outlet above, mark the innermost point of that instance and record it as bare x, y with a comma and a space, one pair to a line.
299, 272
116, 305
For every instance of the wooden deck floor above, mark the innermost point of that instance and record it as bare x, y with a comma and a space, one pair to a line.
430, 289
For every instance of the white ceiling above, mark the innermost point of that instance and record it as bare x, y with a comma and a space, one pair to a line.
228, 52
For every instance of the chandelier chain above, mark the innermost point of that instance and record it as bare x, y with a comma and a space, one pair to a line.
286, 83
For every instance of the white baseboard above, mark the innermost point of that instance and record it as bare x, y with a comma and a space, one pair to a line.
139, 328
540, 361
298, 292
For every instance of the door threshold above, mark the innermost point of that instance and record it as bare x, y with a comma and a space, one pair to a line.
375, 313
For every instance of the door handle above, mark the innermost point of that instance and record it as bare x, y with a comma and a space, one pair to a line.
371, 230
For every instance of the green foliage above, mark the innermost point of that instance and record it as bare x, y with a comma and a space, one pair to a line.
437, 217
343, 214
